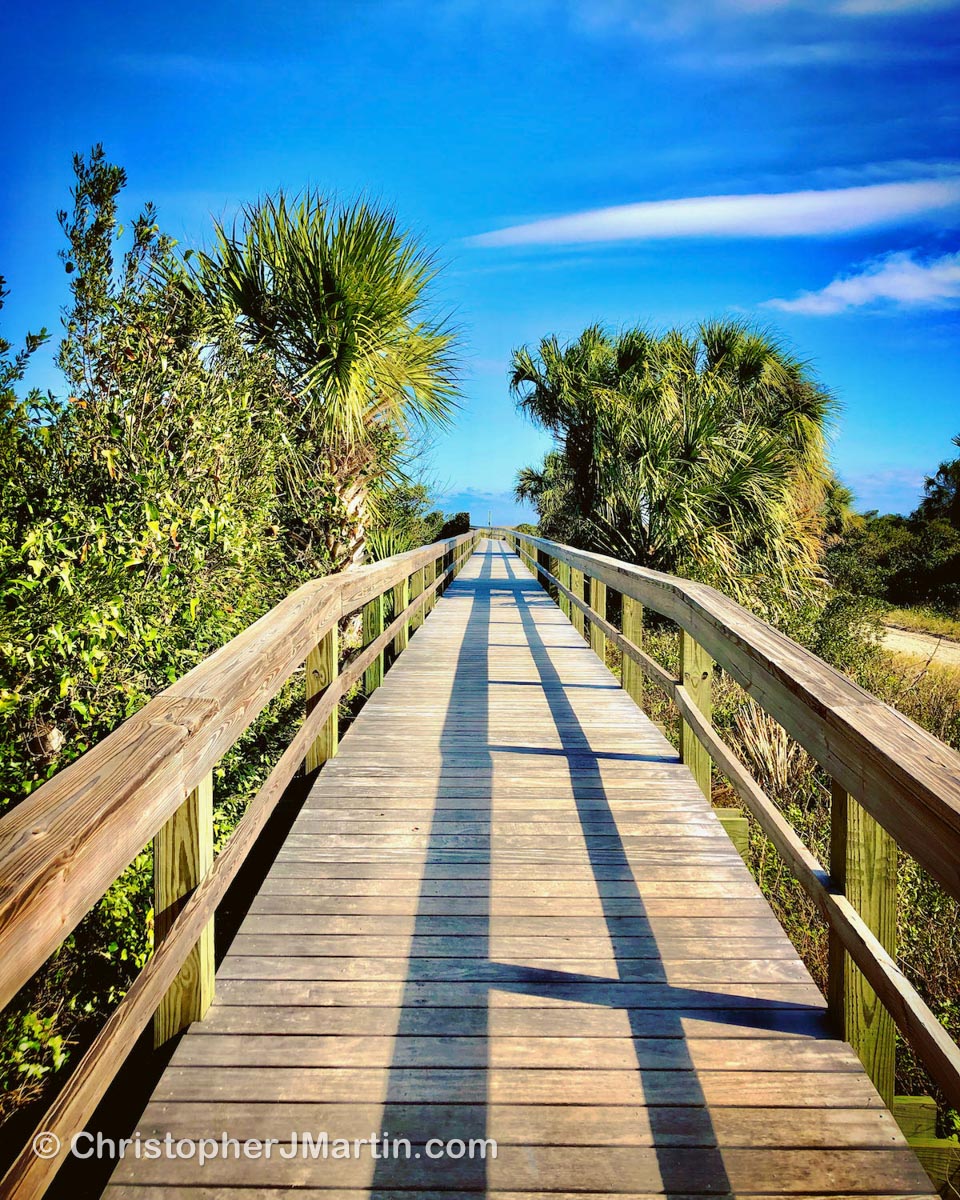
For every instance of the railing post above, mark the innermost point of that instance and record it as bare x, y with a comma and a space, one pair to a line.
401, 598
696, 675
563, 574
182, 855
429, 576
323, 666
598, 602
416, 587
372, 628
576, 614
863, 864
631, 626
553, 566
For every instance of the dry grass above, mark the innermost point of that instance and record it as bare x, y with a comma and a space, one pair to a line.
928, 693
923, 620
778, 761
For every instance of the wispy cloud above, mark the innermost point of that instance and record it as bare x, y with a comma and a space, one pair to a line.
672, 18
896, 279
872, 8
762, 215
888, 488
199, 68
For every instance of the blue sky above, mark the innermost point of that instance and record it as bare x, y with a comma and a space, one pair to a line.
796, 162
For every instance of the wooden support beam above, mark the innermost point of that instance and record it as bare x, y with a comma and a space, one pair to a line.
401, 598
372, 628
863, 865
416, 587
563, 577
576, 586
553, 566
916, 1116
940, 1158
696, 674
323, 666
429, 574
182, 855
631, 624
737, 828
598, 602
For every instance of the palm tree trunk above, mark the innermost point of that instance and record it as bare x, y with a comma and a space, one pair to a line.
348, 541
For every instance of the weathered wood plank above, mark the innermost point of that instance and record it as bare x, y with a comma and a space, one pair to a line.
863, 865
373, 612
632, 628
182, 855
696, 672
598, 602
323, 665
401, 598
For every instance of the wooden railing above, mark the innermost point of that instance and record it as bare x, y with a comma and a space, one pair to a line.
893, 783
152, 778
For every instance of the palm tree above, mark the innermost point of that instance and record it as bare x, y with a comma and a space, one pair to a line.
701, 454
336, 297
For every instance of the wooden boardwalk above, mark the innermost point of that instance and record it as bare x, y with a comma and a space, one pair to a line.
506, 911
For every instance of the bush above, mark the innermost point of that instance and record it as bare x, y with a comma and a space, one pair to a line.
454, 526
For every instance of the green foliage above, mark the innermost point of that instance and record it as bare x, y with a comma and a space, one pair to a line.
941, 499
405, 509
908, 561
454, 525
701, 455
140, 529
33, 1050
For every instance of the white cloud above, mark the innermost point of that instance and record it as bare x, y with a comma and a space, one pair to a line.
888, 488
872, 8
673, 17
897, 279
777, 215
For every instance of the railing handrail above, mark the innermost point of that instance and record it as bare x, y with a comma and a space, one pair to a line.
62, 847
906, 778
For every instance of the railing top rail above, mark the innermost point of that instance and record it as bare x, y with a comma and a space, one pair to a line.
62, 847
904, 776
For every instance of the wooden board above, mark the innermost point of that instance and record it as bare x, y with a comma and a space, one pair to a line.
506, 911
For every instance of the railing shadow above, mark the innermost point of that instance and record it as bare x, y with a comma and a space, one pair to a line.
609, 862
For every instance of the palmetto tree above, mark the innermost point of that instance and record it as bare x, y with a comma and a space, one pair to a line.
701, 454
336, 296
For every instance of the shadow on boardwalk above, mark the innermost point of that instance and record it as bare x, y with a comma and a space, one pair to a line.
620, 900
